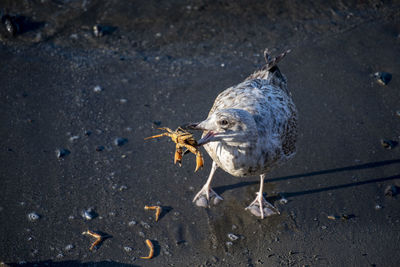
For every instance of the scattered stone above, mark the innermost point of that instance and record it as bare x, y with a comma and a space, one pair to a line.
100, 148
383, 77
283, 201
10, 24
33, 216
123, 101
141, 234
157, 123
323, 227
233, 237
378, 207
60, 255
145, 225
98, 31
388, 144
119, 141
234, 227
97, 89
128, 249
89, 214
74, 138
132, 223
123, 187
68, 247
229, 244
391, 191
62, 152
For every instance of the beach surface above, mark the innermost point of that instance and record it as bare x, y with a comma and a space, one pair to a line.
76, 107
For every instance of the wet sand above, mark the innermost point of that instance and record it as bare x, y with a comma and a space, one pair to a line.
163, 64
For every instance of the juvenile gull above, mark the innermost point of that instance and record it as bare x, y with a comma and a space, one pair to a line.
250, 129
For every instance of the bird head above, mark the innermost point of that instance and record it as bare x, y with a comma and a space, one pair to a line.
228, 125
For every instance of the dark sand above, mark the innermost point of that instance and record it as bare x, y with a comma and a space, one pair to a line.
169, 60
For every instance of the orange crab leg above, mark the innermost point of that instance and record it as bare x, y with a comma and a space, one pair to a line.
151, 247
156, 136
199, 161
158, 210
98, 237
178, 155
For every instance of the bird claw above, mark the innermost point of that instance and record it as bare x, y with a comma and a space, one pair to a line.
262, 208
203, 197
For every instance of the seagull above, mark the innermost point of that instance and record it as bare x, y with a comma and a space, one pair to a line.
251, 128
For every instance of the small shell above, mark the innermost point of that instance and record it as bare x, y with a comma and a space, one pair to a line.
89, 214
62, 152
391, 191
10, 24
233, 237
119, 141
388, 144
33, 216
383, 77
98, 31
97, 89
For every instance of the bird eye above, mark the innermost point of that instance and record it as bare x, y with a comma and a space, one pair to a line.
223, 122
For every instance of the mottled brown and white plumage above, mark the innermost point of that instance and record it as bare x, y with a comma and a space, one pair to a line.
250, 129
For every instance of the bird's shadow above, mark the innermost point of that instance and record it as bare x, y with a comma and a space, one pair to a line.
221, 189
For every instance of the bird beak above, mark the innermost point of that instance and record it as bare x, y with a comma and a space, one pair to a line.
202, 126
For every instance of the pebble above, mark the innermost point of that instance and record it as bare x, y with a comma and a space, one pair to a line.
283, 201
119, 141
123, 101
88, 214
391, 191
97, 30
10, 24
33, 216
73, 138
233, 237
398, 113
141, 234
145, 225
99, 148
229, 244
62, 152
128, 249
388, 144
383, 77
378, 207
323, 227
97, 89
69, 247
132, 223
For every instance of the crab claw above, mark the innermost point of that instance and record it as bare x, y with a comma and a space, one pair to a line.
199, 161
178, 155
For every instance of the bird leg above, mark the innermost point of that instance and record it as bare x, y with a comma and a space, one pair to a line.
260, 207
204, 195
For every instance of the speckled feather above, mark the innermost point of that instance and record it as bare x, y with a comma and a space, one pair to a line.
271, 140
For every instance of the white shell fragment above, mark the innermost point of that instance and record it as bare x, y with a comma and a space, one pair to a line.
97, 89
233, 237
88, 214
33, 216
62, 152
